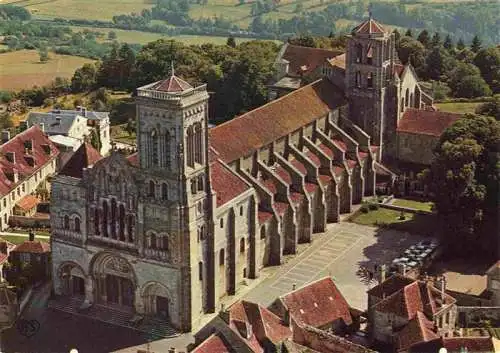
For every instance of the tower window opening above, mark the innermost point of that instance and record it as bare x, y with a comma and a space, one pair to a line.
358, 79
359, 53
369, 80
369, 55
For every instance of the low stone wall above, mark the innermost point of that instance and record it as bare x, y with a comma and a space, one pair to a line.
405, 209
29, 222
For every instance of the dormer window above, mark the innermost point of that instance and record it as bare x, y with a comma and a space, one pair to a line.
30, 160
11, 157
46, 149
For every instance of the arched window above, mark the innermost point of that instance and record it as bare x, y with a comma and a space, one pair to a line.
201, 184
151, 189
222, 223
369, 55
152, 241
130, 228
200, 271
66, 222
242, 245
164, 191
198, 154
202, 232
222, 257
402, 104
412, 100
164, 242
407, 97
358, 79
166, 149
241, 210
190, 147
77, 225
263, 232
121, 222
154, 148
369, 80
96, 221
359, 53
113, 218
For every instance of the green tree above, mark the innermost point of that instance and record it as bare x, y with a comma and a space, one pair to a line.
424, 38
438, 63
459, 72
231, 42
448, 43
488, 62
409, 33
460, 44
84, 78
299, 8
413, 52
95, 139
397, 35
472, 86
476, 44
112, 35
44, 54
463, 180
130, 127
303, 41
436, 40
491, 108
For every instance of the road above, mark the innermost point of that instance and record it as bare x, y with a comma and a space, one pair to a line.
338, 253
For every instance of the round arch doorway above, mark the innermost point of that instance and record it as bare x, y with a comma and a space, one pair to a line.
115, 281
157, 300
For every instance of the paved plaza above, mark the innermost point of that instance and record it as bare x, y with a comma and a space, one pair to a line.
339, 253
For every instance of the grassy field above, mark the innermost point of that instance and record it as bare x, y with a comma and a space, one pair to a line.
418, 205
139, 37
23, 69
382, 215
458, 107
18, 240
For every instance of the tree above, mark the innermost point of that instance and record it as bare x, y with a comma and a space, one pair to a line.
424, 38
397, 35
130, 127
409, 33
112, 35
413, 52
438, 63
44, 54
463, 180
231, 42
448, 43
460, 44
436, 40
476, 44
472, 86
84, 78
459, 72
95, 139
488, 62
299, 8
303, 41
490, 109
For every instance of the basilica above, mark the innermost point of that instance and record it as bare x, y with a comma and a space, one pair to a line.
172, 229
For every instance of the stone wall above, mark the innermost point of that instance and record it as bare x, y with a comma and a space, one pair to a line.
416, 148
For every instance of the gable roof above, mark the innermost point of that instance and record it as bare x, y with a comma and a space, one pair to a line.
242, 135
417, 296
33, 247
225, 182
26, 164
54, 122
213, 344
390, 286
426, 122
304, 60
419, 329
317, 304
83, 157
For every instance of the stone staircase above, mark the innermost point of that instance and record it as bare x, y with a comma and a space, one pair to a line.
155, 327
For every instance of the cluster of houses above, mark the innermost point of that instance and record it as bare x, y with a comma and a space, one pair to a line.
404, 315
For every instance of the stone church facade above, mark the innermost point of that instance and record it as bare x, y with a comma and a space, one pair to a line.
171, 230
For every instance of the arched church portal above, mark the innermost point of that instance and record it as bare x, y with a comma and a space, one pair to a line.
115, 281
72, 279
157, 300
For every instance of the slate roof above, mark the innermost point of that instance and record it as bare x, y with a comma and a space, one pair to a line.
317, 304
33, 247
426, 122
419, 329
304, 60
42, 152
173, 84
225, 182
53, 123
83, 157
242, 135
27, 202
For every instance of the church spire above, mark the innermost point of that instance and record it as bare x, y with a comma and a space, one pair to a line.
172, 69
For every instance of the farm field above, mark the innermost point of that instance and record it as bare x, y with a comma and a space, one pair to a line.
139, 37
22, 69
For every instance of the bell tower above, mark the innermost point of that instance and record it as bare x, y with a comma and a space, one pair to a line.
370, 61
172, 139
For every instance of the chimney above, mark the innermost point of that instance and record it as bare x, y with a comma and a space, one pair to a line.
383, 273
294, 286
5, 136
31, 235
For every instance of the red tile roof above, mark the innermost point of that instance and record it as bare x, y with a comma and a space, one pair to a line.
280, 207
134, 159
299, 166
27, 202
398, 69
473, 344
425, 122
307, 58
317, 304
213, 344
310, 187
43, 151
340, 144
84, 156
225, 183
419, 329
264, 216
34, 247
390, 286
368, 27
257, 128
173, 84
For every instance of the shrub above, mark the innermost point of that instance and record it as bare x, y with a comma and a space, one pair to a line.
373, 206
364, 209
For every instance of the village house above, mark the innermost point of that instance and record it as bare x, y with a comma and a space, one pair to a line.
69, 128
26, 161
36, 254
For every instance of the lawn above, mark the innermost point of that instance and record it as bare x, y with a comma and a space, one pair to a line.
383, 217
418, 205
458, 107
18, 240
23, 68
